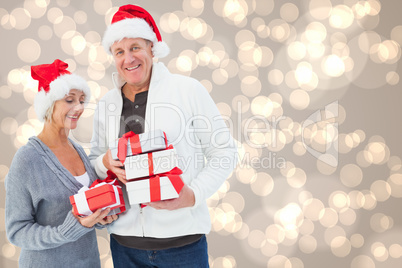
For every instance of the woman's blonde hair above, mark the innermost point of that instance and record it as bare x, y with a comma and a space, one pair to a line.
49, 113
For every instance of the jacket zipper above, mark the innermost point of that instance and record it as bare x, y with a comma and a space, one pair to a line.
142, 221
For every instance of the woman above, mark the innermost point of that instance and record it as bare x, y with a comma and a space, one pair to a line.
45, 172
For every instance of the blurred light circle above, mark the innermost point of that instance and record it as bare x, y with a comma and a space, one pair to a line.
277, 261
5, 92
289, 12
367, 39
341, 246
381, 190
93, 37
224, 109
296, 50
320, 9
315, 32
28, 50
240, 104
72, 43
45, 32
55, 15
396, 34
14, 77
170, 22
347, 217
362, 261
20, 18
9, 125
341, 17
66, 24
299, 99
102, 6
298, 179
257, 23
250, 86
193, 8
280, 30
392, 78
357, 240
266, 57
244, 36
80, 17
312, 208
275, 77
333, 66
263, 184
63, 3
96, 71
220, 76
263, 7
35, 8
351, 175
8, 250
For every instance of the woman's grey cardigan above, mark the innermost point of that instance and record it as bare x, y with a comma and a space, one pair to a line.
38, 212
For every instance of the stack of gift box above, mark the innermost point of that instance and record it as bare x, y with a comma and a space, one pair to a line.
151, 166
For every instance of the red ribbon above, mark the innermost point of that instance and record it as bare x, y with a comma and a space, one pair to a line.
134, 144
110, 178
175, 180
150, 164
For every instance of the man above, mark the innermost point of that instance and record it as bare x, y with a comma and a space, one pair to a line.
147, 97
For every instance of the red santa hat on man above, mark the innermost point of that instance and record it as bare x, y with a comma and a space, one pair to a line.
55, 82
132, 21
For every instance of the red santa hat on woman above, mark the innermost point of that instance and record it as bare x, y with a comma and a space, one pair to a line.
55, 82
132, 21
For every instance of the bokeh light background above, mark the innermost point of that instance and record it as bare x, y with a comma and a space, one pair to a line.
311, 90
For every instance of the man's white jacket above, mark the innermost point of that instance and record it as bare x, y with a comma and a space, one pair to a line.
182, 108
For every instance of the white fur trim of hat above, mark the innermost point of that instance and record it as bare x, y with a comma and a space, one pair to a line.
58, 89
134, 28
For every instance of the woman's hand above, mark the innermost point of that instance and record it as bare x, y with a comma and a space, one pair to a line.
115, 166
98, 216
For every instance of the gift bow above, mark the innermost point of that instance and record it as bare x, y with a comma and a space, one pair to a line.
154, 183
122, 145
135, 145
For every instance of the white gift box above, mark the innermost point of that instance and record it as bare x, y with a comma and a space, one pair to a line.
142, 191
150, 141
148, 164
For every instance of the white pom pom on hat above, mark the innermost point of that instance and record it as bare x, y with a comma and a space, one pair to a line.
132, 21
55, 82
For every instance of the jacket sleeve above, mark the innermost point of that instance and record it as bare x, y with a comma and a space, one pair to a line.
216, 143
20, 220
98, 141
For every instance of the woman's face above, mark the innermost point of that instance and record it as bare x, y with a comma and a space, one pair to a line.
68, 110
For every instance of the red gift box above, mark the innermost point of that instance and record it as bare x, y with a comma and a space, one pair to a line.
102, 194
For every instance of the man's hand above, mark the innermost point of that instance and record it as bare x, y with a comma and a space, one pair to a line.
186, 199
115, 166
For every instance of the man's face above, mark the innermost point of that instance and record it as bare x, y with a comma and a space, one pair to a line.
133, 58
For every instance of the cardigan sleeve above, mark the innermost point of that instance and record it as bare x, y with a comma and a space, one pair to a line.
216, 142
22, 228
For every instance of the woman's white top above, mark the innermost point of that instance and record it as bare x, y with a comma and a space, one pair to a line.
83, 179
